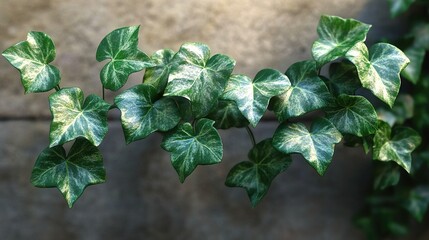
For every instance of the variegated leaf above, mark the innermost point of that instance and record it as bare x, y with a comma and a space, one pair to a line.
32, 58
157, 76
343, 78
192, 146
316, 145
336, 37
353, 115
142, 114
73, 117
71, 173
252, 97
256, 175
308, 92
379, 69
198, 77
121, 46
227, 115
396, 146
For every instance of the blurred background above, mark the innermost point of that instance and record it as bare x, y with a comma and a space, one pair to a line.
142, 198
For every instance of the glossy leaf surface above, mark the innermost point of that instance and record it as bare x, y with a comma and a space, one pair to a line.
252, 97
379, 69
227, 115
73, 117
191, 146
121, 46
157, 76
336, 37
142, 114
198, 77
308, 92
316, 145
343, 78
32, 58
71, 173
256, 175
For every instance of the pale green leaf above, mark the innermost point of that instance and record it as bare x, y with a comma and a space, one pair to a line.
336, 37
157, 76
73, 117
252, 97
316, 145
198, 77
396, 146
308, 92
413, 71
192, 146
343, 78
142, 114
32, 58
256, 175
121, 46
71, 173
379, 69
353, 115
227, 115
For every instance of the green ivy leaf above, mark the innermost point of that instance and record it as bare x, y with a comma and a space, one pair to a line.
336, 37
397, 146
413, 71
316, 145
142, 114
72, 117
343, 78
402, 110
386, 175
421, 35
257, 174
227, 115
190, 146
72, 173
379, 69
198, 77
157, 76
121, 46
32, 58
353, 115
252, 97
307, 93
397, 7
417, 202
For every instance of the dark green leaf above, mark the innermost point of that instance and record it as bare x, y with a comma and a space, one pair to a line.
190, 146
32, 58
71, 173
198, 77
157, 76
257, 174
252, 97
344, 78
417, 202
307, 93
142, 114
386, 175
121, 46
336, 37
353, 115
421, 35
72, 117
413, 71
379, 69
316, 145
396, 146
397, 7
227, 115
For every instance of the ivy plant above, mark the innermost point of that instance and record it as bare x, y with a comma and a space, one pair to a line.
188, 94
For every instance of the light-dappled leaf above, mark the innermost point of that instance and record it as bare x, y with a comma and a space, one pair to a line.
316, 145
252, 97
157, 76
413, 71
227, 115
256, 175
379, 69
386, 174
198, 77
396, 146
343, 78
397, 7
121, 46
73, 117
32, 58
142, 114
71, 173
336, 37
191, 146
353, 115
308, 92
417, 202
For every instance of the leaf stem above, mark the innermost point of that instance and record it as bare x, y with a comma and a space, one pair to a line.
252, 137
57, 88
103, 92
